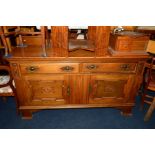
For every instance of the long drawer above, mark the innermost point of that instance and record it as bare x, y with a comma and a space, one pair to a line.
49, 68
108, 67
76, 67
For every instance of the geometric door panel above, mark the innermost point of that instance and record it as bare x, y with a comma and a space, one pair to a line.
46, 90
110, 88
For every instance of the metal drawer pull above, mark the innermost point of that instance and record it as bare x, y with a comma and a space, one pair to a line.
125, 67
32, 68
67, 68
92, 67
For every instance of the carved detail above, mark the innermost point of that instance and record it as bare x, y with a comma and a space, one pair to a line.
109, 88
15, 70
46, 89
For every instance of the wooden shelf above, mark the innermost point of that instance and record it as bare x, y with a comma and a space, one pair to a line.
81, 48
81, 53
75, 44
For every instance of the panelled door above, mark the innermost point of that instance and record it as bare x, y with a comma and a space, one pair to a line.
46, 89
110, 88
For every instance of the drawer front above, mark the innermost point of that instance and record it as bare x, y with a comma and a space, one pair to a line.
123, 45
109, 67
49, 68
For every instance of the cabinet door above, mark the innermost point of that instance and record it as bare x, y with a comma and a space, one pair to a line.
110, 88
46, 89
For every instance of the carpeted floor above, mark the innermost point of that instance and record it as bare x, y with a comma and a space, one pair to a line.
93, 118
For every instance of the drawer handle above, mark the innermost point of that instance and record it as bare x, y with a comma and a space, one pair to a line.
67, 68
90, 67
125, 67
32, 68
68, 91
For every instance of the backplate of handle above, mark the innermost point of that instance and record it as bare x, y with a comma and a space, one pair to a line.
90, 67
125, 67
67, 68
32, 68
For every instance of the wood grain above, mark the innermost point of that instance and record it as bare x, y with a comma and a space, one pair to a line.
83, 75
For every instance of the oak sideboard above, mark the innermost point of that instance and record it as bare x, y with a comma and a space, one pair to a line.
82, 73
